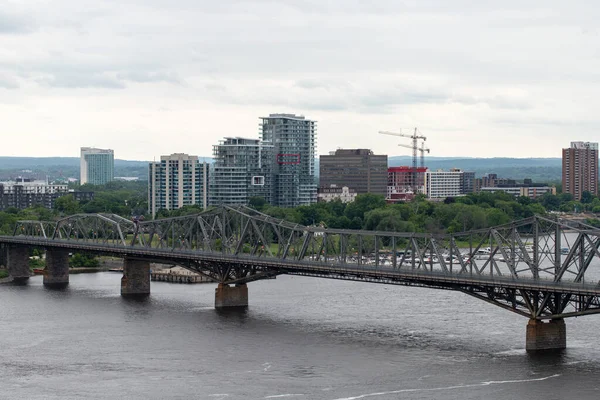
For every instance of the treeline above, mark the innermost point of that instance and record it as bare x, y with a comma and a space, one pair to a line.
474, 211
126, 199
368, 211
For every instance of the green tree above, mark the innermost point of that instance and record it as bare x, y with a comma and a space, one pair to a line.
586, 197
364, 203
67, 205
258, 203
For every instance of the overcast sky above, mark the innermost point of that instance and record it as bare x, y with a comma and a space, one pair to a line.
478, 78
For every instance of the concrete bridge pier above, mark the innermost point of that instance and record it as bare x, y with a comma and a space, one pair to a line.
18, 263
550, 335
136, 278
56, 273
231, 296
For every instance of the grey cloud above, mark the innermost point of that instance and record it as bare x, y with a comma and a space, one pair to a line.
14, 24
8, 82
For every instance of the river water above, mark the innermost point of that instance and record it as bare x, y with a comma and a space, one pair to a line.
301, 338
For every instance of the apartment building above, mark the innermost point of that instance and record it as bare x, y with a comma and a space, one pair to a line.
175, 181
441, 184
293, 139
580, 169
243, 168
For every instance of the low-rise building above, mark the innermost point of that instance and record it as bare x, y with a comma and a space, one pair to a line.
345, 194
23, 193
532, 192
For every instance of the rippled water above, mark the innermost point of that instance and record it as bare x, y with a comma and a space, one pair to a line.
301, 338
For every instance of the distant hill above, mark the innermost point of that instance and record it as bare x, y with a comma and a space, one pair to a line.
538, 169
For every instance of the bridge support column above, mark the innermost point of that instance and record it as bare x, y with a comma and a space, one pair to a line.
56, 273
18, 263
136, 278
550, 335
3, 255
231, 296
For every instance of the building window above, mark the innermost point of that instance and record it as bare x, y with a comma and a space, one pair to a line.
258, 180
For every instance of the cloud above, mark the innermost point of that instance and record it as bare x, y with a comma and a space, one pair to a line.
8, 82
356, 66
149, 76
14, 23
78, 81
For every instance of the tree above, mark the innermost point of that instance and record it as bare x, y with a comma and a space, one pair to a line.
258, 203
586, 197
67, 205
364, 203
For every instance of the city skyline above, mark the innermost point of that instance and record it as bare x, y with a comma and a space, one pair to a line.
477, 79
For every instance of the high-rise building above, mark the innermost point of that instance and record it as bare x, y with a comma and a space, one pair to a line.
97, 166
243, 168
357, 169
294, 146
176, 181
580, 169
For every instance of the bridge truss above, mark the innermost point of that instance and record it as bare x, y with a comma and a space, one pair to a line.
537, 267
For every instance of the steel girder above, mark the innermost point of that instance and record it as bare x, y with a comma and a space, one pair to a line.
536, 249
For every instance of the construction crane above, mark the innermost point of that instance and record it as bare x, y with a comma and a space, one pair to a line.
415, 147
422, 149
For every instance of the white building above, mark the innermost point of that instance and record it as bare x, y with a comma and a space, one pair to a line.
441, 184
97, 166
333, 192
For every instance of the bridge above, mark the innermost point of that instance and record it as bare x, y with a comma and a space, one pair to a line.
538, 267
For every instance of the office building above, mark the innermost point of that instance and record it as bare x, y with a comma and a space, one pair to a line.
176, 181
97, 166
243, 168
468, 182
357, 169
580, 169
441, 184
23, 193
294, 146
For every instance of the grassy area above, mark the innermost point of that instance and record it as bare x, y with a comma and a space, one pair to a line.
3, 273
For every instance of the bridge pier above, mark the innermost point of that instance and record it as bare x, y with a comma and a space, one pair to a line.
550, 335
56, 273
18, 263
231, 296
3, 255
136, 278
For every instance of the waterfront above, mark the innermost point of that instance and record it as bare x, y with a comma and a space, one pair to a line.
302, 338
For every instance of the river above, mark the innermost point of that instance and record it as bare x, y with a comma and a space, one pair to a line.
301, 338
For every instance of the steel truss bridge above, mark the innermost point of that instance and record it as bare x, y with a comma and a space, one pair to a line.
537, 267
